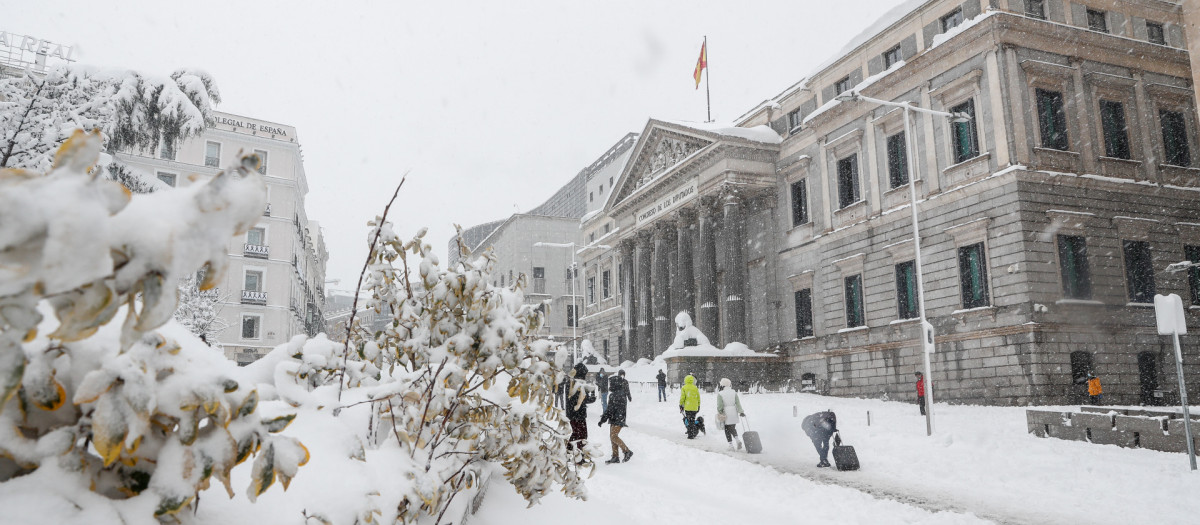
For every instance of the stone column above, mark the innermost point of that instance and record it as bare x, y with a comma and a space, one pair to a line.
709, 320
735, 270
663, 327
628, 297
645, 333
684, 280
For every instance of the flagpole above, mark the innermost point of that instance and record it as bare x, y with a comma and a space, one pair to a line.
707, 76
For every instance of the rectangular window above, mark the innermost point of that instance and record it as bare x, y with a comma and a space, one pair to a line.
606, 284
1035, 9
1139, 272
570, 316
842, 86
972, 272
952, 20
1193, 274
847, 171
620, 279
262, 161
854, 302
251, 326
167, 151
253, 282
794, 120
906, 290
590, 196
212, 154
1073, 263
1116, 134
591, 290
1154, 33
1175, 142
892, 56
1052, 119
256, 236
799, 202
539, 272
804, 318
1097, 20
168, 178
897, 160
965, 138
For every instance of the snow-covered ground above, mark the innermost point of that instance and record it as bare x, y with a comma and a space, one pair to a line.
979, 466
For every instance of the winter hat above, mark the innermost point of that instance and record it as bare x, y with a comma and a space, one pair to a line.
725, 382
621, 373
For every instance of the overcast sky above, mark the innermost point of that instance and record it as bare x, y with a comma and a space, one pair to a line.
491, 106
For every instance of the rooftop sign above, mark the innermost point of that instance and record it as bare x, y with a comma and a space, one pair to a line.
30, 51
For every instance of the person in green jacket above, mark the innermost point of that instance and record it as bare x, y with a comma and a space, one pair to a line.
689, 404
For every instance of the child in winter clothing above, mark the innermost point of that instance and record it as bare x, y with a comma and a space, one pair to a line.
689, 404
729, 408
820, 427
618, 398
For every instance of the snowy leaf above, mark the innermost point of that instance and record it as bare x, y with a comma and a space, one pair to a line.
12, 369
263, 473
277, 424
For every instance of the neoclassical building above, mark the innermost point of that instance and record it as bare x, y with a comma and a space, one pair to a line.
1047, 216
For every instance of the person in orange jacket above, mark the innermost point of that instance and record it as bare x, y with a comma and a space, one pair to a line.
1095, 391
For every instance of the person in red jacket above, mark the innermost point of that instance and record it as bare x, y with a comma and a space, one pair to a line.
921, 392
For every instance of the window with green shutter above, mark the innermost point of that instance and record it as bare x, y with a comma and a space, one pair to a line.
1175, 141
906, 290
1139, 272
1052, 119
804, 317
972, 271
897, 160
854, 302
1073, 263
965, 137
1116, 134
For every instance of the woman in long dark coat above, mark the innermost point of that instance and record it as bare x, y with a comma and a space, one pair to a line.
618, 399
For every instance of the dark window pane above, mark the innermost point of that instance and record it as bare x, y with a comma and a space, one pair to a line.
606, 283
966, 141
1139, 272
891, 57
972, 272
847, 181
1193, 274
842, 86
799, 203
1081, 366
1154, 33
1052, 119
897, 160
1116, 135
539, 272
1175, 142
570, 315
794, 120
854, 302
1097, 20
1076, 274
1035, 8
952, 20
804, 320
906, 290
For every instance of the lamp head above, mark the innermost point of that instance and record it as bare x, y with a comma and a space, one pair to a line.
846, 96
960, 118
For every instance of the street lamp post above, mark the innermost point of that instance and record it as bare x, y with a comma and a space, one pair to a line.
926, 328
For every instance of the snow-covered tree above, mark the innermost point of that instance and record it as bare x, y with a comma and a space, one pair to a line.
199, 310
134, 111
457, 379
142, 418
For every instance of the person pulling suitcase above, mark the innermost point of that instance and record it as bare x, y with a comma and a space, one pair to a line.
820, 427
729, 408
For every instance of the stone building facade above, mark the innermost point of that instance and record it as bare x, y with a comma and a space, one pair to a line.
1047, 218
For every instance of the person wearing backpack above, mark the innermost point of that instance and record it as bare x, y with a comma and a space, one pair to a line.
618, 400
579, 395
602, 382
729, 409
820, 427
662, 385
689, 405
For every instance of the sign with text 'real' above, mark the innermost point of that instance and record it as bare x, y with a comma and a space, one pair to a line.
665, 204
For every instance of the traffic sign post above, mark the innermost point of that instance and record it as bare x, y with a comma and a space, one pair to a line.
1168, 312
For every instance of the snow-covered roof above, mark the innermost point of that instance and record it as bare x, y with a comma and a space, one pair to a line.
763, 134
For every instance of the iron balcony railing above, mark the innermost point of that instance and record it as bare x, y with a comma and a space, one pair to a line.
254, 297
257, 251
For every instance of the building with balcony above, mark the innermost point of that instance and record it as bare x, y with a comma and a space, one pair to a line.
274, 286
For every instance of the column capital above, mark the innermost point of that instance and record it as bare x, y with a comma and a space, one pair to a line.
685, 217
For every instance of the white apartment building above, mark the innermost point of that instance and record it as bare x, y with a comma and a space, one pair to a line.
274, 286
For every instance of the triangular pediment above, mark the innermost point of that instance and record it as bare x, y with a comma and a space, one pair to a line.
662, 147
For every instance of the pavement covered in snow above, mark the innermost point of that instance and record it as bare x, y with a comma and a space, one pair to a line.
980, 466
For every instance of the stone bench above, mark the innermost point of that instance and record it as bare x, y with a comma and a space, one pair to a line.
1130, 428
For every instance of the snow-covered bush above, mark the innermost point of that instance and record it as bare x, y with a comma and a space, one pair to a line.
120, 408
458, 379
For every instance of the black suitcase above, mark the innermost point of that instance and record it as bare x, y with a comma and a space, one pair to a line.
751, 440
843, 455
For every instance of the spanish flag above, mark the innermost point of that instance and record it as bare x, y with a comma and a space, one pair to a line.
702, 63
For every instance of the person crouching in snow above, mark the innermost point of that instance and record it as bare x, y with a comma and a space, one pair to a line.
729, 409
580, 395
689, 404
820, 427
618, 397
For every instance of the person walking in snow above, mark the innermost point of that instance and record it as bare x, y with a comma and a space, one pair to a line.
1095, 391
729, 409
820, 427
921, 392
602, 382
662, 385
578, 398
689, 405
615, 415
